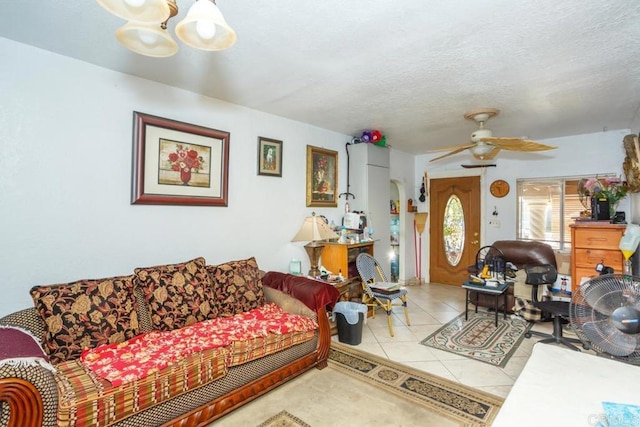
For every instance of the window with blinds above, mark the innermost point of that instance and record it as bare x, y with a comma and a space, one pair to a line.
546, 208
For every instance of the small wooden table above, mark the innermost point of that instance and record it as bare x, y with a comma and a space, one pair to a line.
497, 291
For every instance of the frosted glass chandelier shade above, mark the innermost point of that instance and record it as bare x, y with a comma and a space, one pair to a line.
205, 28
147, 39
146, 11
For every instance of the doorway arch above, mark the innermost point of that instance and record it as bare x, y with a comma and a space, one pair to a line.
403, 224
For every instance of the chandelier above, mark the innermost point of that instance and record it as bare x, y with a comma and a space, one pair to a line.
146, 33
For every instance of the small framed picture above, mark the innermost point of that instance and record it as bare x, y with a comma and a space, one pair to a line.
269, 157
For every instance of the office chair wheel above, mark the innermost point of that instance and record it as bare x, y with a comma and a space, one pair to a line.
527, 334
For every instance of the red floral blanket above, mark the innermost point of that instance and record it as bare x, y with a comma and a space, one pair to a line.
148, 353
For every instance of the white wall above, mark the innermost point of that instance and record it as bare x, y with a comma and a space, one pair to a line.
590, 154
402, 167
65, 178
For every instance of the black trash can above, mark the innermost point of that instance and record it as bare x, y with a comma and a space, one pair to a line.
350, 318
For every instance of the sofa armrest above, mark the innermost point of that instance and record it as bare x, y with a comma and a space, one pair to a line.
287, 302
313, 293
28, 390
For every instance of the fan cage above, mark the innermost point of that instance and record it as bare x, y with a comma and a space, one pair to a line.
590, 311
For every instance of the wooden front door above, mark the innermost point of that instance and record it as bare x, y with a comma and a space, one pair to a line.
455, 228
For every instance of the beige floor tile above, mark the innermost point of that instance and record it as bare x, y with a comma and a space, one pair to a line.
434, 367
500, 390
477, 374
430, 307
408, 352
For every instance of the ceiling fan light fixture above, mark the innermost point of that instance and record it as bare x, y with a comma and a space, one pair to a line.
147, 39
146, 11
481, 149
205, 28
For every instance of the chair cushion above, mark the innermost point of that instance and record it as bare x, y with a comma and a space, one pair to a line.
177, 295
85, 313
237, 286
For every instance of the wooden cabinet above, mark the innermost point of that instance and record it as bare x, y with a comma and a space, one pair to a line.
341, 257
593, 243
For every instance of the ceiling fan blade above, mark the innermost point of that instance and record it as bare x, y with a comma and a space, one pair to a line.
451, 153
452, 148
488, 156
518, 144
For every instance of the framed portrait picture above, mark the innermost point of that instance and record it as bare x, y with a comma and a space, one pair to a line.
176, 163
322, 177
269, 157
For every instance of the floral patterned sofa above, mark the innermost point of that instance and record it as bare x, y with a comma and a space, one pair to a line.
180, 344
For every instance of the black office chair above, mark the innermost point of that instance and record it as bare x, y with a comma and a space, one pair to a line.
546, 275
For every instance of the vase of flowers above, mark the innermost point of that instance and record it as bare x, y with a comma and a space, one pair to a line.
184, 160
611, 188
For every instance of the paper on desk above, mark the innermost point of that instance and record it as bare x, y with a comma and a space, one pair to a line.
621, 414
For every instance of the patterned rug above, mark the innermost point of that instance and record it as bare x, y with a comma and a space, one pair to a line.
462, 404
284, 419
478, 338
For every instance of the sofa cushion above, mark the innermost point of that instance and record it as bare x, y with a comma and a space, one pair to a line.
87, 400
237, 286
177, 295
86, 313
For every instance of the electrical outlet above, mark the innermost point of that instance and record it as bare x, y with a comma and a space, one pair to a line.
494, 223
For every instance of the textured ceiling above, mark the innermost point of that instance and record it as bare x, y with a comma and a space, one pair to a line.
409, 68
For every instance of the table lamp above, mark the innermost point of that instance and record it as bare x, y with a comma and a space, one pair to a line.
314, 230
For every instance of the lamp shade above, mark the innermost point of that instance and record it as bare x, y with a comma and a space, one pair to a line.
146, 39
313, 229
205, 28
147, 11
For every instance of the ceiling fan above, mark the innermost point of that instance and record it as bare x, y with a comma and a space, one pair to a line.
483, 145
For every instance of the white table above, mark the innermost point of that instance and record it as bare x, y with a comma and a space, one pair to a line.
562, 387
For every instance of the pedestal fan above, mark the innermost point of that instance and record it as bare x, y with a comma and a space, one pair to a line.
605, 315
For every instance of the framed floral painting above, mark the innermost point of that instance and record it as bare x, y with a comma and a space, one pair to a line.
269, 157
322, 177
176, 163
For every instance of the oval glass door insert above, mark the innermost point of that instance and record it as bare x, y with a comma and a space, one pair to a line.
453, 230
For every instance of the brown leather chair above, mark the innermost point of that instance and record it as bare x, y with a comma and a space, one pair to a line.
519, 253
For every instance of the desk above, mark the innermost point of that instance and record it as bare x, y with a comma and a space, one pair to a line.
497, 291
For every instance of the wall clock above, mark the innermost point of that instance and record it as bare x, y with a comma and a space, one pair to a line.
499, 188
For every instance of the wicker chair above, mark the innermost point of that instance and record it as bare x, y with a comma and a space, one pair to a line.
378, 291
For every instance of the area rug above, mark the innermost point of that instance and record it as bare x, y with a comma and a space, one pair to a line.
358, 388
284, 419
450, 399
478, 338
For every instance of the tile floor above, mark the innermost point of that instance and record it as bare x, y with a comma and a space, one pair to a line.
431, 306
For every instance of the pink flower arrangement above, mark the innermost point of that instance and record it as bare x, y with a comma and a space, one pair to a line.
185, 159
610, 187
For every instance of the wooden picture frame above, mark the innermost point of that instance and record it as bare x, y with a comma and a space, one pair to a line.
269, 157
176, 163
322, 177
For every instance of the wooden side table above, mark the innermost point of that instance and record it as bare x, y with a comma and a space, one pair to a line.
500, 290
